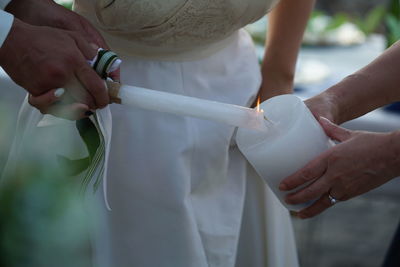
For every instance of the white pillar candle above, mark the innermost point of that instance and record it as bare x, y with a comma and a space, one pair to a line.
292, 139
191, 106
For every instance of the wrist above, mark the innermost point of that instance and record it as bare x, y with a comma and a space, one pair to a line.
15, 5
15, 32
394, 138
283, 76
344, 102
392, 146
31, 11
275, 83
332, 102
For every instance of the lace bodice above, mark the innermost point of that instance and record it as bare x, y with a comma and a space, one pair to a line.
171, 26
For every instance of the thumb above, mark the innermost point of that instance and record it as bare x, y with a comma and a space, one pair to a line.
335, 132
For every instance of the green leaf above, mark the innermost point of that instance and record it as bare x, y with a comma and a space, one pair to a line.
393, 26
373, 19
316, 14
394, 8
337, 21
90, 136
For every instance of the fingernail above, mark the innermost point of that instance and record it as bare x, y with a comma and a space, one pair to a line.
324, 119
88, 113
283, 187
59, 92
95, 46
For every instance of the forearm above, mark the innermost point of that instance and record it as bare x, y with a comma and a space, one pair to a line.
374, 86
285, 33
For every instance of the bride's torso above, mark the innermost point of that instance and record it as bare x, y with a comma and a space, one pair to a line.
165, 28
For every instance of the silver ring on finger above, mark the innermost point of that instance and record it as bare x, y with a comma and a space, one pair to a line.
332, 199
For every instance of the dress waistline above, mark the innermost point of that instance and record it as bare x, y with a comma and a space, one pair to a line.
130, 48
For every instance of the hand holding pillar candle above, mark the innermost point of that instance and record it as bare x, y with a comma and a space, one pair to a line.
292, 139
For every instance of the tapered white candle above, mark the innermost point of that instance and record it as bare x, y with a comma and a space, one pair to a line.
189, 106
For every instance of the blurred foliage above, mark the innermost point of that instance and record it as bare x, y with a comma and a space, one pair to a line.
337, 20
392, 20
66, 3
368, 24
42, 222
393, 29
381, 19
372, 20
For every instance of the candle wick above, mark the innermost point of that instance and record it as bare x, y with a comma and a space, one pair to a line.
268, 120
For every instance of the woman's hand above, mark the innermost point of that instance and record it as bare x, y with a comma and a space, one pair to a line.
51, 103
360, 163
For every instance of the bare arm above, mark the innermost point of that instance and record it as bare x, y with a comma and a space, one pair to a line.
285, 33
375, 85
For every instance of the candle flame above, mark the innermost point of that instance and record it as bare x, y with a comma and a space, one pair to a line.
258, 104
261, 111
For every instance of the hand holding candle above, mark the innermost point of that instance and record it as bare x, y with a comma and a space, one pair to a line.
293, 138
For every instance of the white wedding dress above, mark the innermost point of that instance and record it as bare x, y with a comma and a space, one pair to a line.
181, 193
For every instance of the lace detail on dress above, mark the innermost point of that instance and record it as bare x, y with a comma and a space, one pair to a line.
178, 23
133, 16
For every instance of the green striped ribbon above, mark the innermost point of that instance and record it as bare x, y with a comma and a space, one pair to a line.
105, 59
97, 160
96, 143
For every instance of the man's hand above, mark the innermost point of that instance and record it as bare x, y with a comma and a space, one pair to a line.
360, 163
49, 13
41, 58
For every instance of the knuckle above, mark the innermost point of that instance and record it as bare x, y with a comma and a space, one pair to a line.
84, 70
60, 23
53, 72
305, 175
74, 34
71, 58
326, 201
334, 157
309, 192
336, 178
